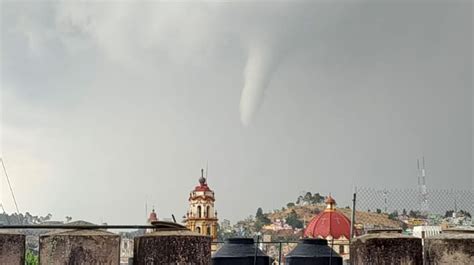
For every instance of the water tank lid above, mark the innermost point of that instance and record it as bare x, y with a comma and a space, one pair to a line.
312, 248
238, 248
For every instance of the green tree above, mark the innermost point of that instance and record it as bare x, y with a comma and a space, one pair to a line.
308, 197
261, 219
466, 213
317, 198
31, 258
293, 221
449, 213
246, 227
260, 216
290, 205
298, 200
223, 234
259, 213
414, 214
404, 226
393, 215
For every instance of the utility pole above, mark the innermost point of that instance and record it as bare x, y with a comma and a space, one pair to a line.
353, 214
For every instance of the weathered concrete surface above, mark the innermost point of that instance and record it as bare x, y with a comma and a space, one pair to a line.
80, 247
12, 248
386, 248
450, 248
172, 247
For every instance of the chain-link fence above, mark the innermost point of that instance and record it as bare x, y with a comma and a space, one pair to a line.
406, 208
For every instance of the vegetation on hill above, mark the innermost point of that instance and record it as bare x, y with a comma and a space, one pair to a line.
23, 219
309, 199
27, 218
261, 219
298, 214
295, 215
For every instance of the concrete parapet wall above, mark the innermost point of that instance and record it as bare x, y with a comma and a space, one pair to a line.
80, 247
386, 248
12, 248
450, 249
172, 247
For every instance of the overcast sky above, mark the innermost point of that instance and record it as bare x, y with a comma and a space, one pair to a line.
108, 105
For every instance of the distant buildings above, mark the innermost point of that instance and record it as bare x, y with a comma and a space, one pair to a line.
426, 231
278, 225
458, 219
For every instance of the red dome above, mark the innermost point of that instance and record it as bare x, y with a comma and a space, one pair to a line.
329, 223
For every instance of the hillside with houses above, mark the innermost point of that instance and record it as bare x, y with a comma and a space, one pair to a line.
288, 222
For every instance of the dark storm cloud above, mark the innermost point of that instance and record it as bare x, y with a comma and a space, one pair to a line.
142, 95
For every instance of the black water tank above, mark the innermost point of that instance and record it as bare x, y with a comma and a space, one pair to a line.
239, 251
312, 252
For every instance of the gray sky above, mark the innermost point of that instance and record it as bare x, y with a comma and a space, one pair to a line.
107, 105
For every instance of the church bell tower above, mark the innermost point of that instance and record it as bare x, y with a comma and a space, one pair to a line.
201, 216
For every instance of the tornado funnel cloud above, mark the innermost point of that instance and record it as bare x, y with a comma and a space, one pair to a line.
257, 75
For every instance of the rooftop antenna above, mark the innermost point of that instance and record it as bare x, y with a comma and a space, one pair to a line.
10, 186
146, 209
418, 171
423, 173
422, 185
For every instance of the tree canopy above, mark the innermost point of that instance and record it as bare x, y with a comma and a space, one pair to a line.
310, 198
293, 221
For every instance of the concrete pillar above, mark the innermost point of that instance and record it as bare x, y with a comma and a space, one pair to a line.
450, 248
79, 247
386, 248
12, 248
172, 247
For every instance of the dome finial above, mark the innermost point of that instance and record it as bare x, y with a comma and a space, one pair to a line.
330, 203
202, 180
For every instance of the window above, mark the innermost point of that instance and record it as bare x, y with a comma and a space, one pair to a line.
208, 210
341, 249
198, 229
199, 211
